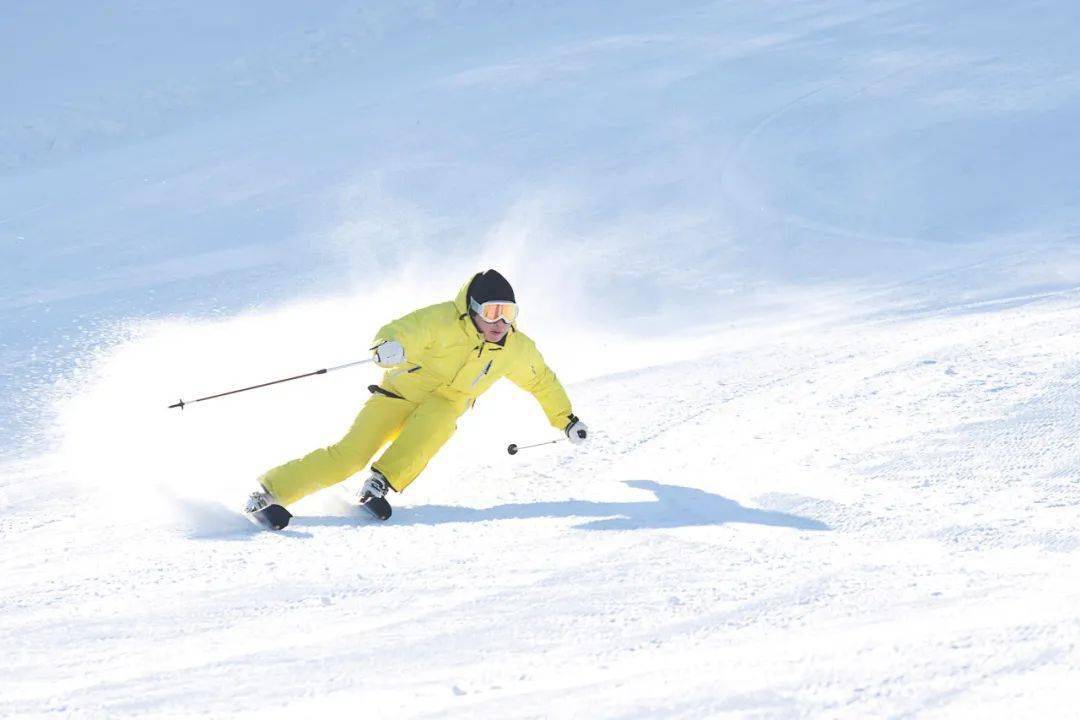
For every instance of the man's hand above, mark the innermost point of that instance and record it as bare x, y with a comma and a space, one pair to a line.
388, 354
577, 431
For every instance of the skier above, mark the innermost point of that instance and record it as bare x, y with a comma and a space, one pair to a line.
438, 360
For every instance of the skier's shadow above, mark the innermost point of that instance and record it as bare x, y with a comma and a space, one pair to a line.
674, 507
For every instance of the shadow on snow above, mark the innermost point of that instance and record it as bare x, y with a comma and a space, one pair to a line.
674, 507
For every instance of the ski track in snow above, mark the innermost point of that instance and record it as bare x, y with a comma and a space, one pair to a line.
860, 520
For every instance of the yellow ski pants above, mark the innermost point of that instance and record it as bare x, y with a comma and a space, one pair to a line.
415, 432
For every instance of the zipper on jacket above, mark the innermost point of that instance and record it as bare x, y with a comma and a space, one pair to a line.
485, 371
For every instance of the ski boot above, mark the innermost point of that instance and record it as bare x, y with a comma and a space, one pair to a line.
372, 497
263, 510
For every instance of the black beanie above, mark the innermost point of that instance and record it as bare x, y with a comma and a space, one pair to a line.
489, 286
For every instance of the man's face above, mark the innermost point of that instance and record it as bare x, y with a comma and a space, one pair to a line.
492, 332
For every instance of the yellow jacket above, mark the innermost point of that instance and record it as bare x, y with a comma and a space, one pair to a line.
445, 354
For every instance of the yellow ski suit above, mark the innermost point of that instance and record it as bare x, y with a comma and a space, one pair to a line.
416, 407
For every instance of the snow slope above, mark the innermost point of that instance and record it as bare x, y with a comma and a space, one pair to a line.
809, 271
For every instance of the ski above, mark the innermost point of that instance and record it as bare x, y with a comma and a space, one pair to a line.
377, 506
271, 517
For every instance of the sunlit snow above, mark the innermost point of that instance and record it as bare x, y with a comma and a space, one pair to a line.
810, 272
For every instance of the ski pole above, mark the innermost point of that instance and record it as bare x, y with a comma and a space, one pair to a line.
513, 449
181, 404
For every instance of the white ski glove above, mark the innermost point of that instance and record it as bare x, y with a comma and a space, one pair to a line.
388, 354
577, 431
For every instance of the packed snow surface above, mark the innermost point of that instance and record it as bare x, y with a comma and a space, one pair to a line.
809, 271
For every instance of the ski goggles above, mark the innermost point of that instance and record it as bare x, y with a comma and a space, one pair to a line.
495, 311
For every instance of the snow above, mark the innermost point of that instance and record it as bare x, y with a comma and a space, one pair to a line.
809, 272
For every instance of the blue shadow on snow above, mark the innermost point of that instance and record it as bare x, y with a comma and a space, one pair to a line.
674, 507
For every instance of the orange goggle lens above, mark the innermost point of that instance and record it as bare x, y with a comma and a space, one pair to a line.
494, 311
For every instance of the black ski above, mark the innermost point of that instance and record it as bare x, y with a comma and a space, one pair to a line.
272, 517
377, 506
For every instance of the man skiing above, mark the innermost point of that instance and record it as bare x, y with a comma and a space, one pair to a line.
438, 360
